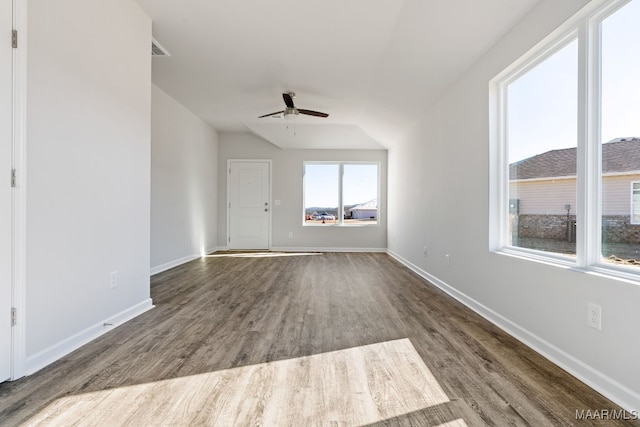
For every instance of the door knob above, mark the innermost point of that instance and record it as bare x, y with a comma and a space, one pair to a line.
265, 209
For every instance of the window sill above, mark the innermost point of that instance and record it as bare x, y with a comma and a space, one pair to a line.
607, 271
342, 225
337, 224
538, 256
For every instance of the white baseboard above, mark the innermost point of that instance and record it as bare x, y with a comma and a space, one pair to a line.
49, 355
608, 387
217, 248
176, 262
316, 249
308, 249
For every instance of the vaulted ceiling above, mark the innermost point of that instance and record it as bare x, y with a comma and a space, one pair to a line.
374, 65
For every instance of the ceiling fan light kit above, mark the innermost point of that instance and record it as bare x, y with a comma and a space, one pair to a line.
291, 111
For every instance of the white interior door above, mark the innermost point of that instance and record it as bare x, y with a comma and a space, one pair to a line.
249, 204
6, 162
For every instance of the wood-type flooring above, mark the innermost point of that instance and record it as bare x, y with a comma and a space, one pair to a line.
301, 339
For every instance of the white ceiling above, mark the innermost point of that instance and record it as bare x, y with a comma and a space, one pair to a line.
373, 65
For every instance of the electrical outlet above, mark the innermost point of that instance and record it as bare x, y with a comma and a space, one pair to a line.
291, 234
594, 316
424, 251
113, 279
447, 259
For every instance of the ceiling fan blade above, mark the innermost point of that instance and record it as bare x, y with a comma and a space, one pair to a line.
288, 100
272, 114
312, 113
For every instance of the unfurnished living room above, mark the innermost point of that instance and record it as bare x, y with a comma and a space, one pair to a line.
291, 213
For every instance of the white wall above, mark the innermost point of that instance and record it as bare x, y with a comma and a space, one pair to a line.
88, 167
287, 187
446, 164
184, 183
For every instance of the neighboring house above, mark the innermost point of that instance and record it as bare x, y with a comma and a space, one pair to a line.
543, 192
368, 210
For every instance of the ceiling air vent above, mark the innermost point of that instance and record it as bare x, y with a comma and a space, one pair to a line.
157, 49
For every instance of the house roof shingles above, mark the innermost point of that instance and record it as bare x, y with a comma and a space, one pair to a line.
619, 155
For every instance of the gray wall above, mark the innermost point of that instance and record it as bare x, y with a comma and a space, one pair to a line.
444, 168
287, 187
88, 166
184, 182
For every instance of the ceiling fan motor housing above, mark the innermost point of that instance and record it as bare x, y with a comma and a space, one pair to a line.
290, 112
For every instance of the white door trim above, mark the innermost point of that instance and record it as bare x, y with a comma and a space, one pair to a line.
20, 191
229, 161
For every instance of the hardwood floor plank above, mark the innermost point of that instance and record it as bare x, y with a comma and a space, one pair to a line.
317, 339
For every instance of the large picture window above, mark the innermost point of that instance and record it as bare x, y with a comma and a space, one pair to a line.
566, 144
542, 146
340, 193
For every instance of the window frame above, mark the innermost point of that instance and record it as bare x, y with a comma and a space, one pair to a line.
585, 26
341, 165
631, 213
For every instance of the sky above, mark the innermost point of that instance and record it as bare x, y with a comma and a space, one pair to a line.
543, 109
543, 102
321, 184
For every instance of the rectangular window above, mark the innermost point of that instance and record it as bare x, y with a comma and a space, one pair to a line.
619, 126
566, 144
321, 193
635, 203
340, 193
360, 194
542, 146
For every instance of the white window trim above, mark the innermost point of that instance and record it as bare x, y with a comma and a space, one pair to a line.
585, 26
631, 221
341, 165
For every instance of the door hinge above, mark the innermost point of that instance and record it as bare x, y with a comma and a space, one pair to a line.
13, 316
14, 179
14, 39
229, 239
229, 205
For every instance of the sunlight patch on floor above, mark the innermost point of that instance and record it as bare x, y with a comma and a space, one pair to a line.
455, 423
259, 254
355, 386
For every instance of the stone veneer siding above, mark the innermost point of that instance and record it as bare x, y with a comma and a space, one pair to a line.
618, 229
615, 228
552, 227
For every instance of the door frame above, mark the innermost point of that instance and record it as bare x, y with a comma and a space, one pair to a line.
19, 197
227, 207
